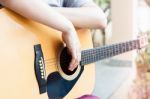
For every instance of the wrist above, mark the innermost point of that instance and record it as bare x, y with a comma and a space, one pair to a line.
69, 29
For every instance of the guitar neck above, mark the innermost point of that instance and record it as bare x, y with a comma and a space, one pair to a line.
96, 54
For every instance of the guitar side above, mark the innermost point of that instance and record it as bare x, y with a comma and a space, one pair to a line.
17, 39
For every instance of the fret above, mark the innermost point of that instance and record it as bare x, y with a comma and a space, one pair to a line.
138, 44
89, 59
108, 50
116, 49
93, 55
105, 51
96, 56
102, 54
112, 51
99, 54
120, 47
123, 48
119, 51
131, 46
134, 44
85, 56
127, 46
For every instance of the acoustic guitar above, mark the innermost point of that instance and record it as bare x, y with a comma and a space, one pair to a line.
34, 60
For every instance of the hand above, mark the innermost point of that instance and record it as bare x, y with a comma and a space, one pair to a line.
73, 45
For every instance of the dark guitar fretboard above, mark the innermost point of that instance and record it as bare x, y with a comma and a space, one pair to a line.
96, 54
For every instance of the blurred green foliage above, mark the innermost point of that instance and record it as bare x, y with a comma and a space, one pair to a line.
143, 57
148, 48
102, 2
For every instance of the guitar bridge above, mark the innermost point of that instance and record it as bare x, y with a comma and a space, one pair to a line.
39, 67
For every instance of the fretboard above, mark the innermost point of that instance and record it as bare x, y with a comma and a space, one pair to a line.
96, 54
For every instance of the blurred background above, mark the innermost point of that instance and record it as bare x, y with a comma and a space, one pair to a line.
126, 20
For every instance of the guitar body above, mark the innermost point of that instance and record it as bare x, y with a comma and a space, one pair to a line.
17, 39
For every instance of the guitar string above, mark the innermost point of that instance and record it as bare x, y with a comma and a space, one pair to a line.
55, 63
132, 45
103, 50
85, 55
129, 44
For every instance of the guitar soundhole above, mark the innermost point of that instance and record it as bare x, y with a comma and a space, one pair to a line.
65, 59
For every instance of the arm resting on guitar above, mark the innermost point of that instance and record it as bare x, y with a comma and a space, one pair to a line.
39, 11
87, 16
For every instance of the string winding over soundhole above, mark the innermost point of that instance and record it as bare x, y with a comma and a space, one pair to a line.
63, 66
65, 59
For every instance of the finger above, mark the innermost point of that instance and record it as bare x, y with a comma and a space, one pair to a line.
77, 59
78, 56
71, 68
75, 63
72, 64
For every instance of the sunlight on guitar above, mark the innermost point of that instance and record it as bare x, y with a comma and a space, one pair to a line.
34, 60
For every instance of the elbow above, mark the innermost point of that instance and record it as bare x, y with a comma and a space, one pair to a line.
100, 19
102, 23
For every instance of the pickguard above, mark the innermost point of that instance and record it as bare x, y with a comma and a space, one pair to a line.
58, 87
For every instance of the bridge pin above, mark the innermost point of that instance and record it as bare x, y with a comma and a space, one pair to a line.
42, 74
40, 61
42, 71
41, 67
42, 77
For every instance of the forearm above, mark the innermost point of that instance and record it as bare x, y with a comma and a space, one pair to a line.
39, 11
84, 17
